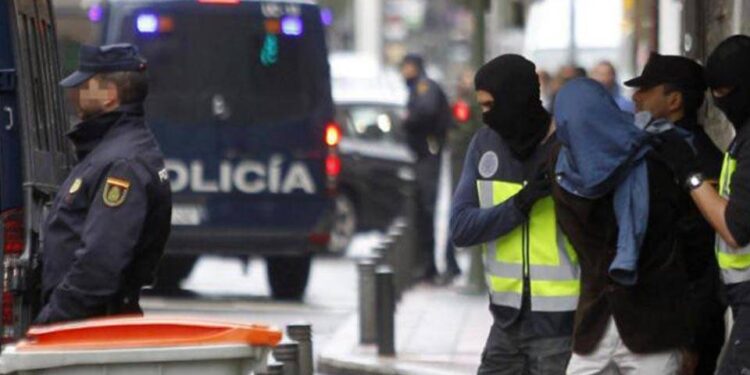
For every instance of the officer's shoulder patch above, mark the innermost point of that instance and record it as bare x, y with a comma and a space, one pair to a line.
423, 87
488, 164
115, 191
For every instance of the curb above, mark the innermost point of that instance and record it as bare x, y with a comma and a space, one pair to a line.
345, 356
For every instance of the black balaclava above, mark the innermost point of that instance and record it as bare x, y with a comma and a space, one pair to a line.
729, 66
416, 60
517, 114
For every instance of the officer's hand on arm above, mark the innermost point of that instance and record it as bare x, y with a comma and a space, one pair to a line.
112, 228
680, 156
539, 187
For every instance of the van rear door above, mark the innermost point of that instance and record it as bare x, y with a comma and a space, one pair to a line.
239, 102
36, 156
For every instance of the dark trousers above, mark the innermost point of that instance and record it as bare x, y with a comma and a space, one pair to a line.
736, 359
707, 317
509, 352
428, 174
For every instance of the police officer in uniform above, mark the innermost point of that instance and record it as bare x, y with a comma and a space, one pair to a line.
503, 189
427, 123
728, 209
108, 224
673, 88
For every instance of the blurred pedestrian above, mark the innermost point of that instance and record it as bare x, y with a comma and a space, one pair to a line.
604, 72
427, 123
459, 139
460, 136
673, 88
502, 202
545, 88
728, 209
108, 224
617, 204
565, 74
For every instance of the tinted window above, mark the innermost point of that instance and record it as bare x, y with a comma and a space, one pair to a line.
229, 62
374, 122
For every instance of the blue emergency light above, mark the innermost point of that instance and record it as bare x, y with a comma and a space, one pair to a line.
147, 23
291, 25
326, 16
95, 13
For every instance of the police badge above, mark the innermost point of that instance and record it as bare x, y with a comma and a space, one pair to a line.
115, 191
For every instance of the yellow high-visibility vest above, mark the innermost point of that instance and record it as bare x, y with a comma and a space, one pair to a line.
735, 264
537, 250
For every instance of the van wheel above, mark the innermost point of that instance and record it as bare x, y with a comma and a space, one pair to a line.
344, 225
288, 276
172, 270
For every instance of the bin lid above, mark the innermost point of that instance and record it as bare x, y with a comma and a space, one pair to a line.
150, 331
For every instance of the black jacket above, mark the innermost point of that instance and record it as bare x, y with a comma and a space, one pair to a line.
108, 224
651, 316
429, 116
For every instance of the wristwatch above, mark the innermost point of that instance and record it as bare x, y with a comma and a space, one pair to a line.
694, 181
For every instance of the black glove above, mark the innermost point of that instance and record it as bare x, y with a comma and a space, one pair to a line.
678, 154
539, 187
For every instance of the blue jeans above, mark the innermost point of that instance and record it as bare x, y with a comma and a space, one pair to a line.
509, 352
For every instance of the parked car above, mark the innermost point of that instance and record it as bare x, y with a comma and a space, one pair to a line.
376, 163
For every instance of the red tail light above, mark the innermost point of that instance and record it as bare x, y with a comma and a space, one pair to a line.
9, 321
461, 111
333, 134
7, 309
333, 165
13, 232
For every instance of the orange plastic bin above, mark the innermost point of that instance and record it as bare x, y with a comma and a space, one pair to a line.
141, 345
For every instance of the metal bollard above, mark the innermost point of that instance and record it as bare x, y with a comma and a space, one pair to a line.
411, 254
386, 305
367, 328
389, 252
405, 263
395, 233
287, 354
380, 253
273, 369
302, 334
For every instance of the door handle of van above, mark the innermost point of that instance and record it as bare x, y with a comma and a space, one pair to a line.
10, 124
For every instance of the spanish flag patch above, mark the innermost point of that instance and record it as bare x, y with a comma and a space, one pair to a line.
115, 191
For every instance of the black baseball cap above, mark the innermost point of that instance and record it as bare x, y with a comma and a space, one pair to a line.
104, 59
667, 69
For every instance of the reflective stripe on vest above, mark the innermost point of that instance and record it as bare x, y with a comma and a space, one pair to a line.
734, 263
537, 249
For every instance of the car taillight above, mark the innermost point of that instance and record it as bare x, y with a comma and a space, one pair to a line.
13, 245
333, 165
13, 232
333, 134
8, 317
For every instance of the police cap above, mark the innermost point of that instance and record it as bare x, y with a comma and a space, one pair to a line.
105, 59
675, 70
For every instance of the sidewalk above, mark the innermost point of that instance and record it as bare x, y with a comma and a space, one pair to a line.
439, 331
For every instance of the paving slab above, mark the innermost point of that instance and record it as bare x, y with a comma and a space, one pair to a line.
439, 331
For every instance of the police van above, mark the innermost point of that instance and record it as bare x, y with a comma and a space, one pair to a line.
240, 102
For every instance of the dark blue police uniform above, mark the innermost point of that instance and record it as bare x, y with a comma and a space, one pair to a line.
110, 220
426, 125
